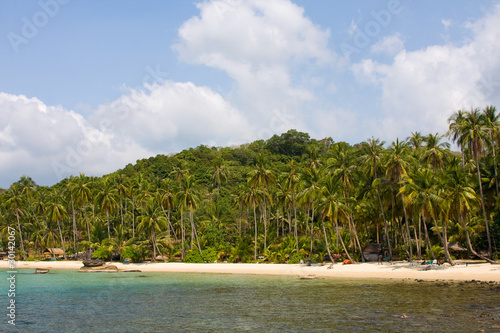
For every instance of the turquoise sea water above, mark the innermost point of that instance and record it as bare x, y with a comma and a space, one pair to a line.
68, 301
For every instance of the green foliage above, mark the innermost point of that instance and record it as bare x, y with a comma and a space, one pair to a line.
132, 253
103, 252
193, 257
209, 254
296, 258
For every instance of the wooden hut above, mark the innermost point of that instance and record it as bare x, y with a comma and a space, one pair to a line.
51, 252
372, 251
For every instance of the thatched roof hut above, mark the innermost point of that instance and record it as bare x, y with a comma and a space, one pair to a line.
53, 251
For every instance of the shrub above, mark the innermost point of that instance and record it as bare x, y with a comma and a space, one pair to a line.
193, 257
130, 252
296, 258
209, 254
103, 252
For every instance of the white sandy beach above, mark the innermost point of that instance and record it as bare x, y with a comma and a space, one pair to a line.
459, 272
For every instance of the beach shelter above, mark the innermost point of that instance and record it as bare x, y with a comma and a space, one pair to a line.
53, 251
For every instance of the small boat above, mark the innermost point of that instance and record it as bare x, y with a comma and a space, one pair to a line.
42, 271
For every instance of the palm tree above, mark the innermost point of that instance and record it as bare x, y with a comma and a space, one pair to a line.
292, 179
220, 174
82, 194
492, 124
343, 167
15, 203
122, 190
56, 213
262, 177
434, 153
310, 177
422, 188
188, 198
251, 199
151, 221
106, 198
473, 135
460, 201
398, 162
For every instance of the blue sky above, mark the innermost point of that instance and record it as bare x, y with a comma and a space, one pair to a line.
90, 86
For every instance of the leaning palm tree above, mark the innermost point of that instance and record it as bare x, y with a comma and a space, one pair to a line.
474, 136
460, 200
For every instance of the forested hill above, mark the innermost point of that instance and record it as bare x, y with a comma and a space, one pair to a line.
200, 161
284, 199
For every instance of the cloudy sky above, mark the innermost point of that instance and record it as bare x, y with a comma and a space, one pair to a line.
90, 86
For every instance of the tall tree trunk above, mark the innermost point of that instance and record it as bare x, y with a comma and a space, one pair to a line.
255, 223
469, 243
326, 239
428, 241
485, 215
62, 239
183, 236
107, 219
312, 232
342, 241
75, 231
20, 235
408, 232
295, 232
194, 231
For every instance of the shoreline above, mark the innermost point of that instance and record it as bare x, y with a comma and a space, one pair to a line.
484, 272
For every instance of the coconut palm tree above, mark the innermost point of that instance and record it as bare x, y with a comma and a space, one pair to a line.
152, 222
262, 177
106, 197
188, 198
219, 174
252, 198
291, 182
15, 204
492, 126
56, 213
474, 136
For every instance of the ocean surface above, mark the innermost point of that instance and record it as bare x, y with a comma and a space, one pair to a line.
68, 301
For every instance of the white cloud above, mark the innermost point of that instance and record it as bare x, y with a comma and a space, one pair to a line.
421, 89
50, 143
446, 23
256, 43
389, 45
